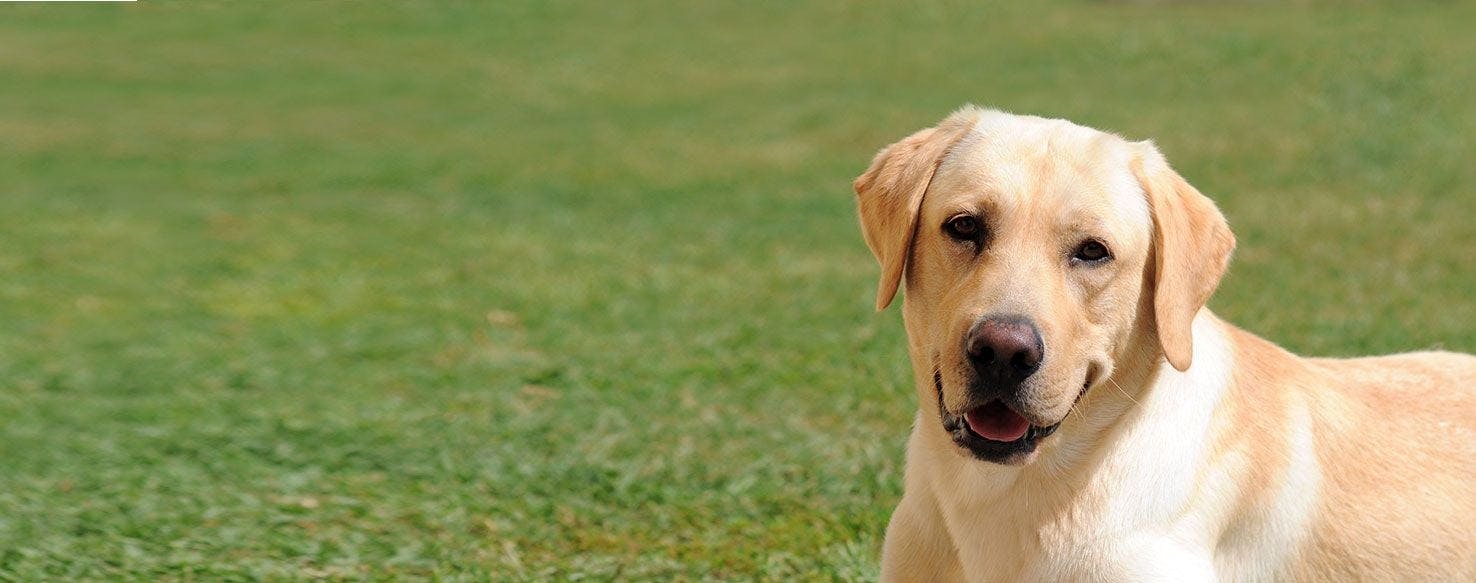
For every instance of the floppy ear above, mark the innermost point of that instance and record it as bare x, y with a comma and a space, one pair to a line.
890, 193
1191, 248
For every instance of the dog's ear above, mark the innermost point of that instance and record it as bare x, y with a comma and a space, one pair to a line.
889, 195
1192, 244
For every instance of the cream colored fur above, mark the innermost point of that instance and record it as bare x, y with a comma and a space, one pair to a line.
1198, 452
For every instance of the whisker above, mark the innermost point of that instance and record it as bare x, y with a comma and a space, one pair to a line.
1124, 393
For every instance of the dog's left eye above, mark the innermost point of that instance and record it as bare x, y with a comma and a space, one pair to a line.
1092, 251
963, 228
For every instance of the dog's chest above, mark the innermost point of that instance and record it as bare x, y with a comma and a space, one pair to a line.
1069, 552
1154, 523
1116, 525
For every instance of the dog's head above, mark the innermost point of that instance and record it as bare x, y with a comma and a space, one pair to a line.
1039, 256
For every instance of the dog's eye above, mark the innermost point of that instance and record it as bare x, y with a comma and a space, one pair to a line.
963, 228
1092, 251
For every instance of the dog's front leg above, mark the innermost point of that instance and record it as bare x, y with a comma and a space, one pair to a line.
918, 547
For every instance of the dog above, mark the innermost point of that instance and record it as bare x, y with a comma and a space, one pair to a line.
1083, 416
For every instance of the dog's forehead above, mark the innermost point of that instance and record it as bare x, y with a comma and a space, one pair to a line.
1017, 159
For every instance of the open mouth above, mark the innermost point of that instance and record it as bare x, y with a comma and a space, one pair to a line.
996, 422
993, 432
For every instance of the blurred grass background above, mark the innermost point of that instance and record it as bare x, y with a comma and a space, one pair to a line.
531, 290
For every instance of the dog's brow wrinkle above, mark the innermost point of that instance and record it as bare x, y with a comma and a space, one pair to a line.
938, 386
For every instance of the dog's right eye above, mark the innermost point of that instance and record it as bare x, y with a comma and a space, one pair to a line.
1091, 252
963, 228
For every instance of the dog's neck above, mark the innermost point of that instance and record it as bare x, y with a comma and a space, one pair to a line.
1139, 369
1141, 398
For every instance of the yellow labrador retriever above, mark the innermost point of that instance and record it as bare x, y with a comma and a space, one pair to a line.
1082, 416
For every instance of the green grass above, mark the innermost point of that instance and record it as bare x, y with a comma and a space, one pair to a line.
575, 290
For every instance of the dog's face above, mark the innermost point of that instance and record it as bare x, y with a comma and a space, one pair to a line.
1038, 255
1026, 275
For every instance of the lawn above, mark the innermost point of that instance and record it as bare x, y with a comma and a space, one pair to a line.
555, 290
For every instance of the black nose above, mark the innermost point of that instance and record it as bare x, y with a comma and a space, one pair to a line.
1005, 350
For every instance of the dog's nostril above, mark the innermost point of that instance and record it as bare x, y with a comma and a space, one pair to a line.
1025, 362
979, 348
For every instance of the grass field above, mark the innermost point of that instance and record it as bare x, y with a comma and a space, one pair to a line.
527, 290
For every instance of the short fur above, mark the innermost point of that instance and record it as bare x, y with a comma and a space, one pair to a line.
1187, 449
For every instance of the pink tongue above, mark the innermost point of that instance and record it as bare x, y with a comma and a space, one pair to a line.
997, 422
